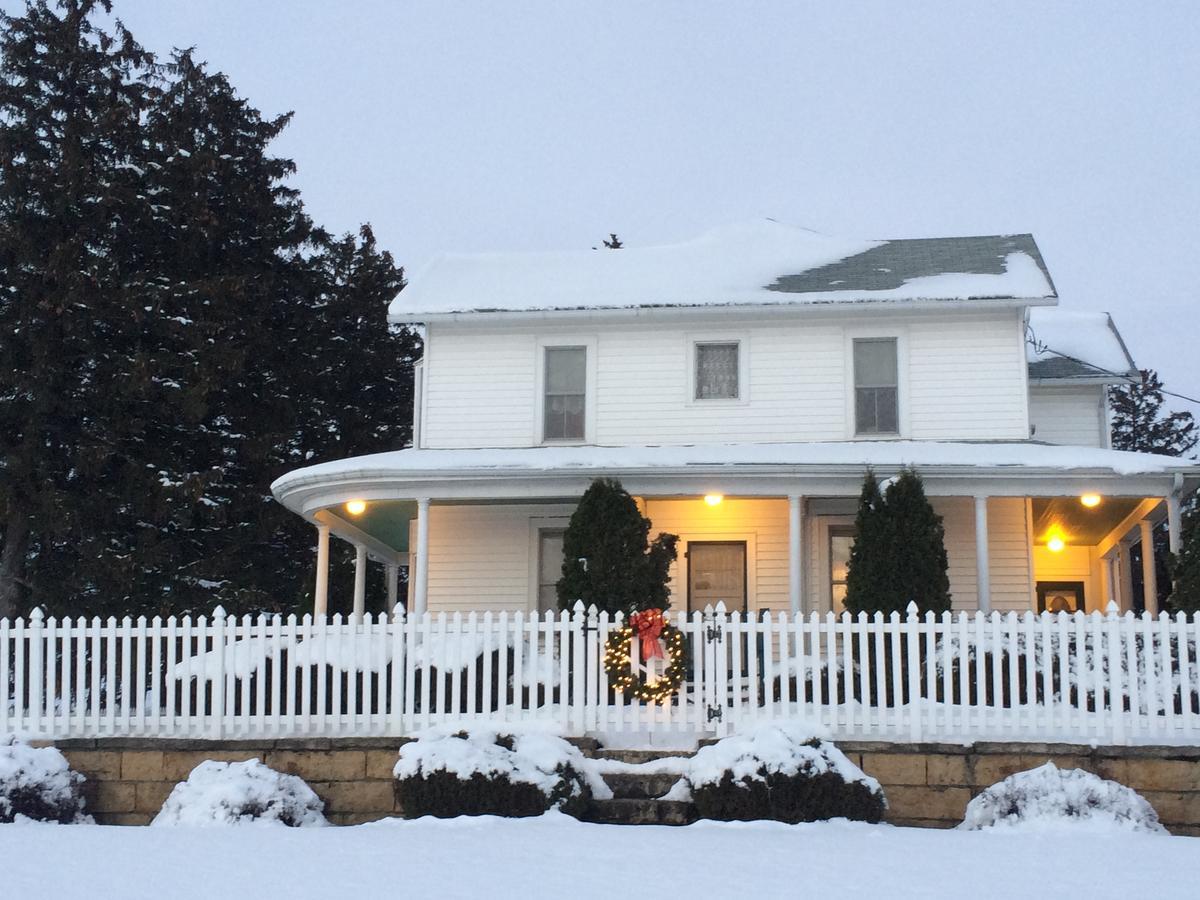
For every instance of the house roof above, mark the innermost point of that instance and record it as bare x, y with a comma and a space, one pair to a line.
1065, 345
761, 263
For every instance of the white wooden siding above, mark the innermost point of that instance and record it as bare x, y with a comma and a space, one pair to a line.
480, 557
964, 380
1068, 415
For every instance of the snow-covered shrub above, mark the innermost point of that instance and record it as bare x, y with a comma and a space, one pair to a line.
1047, 798
781, 772
222, 793
489, 771
37, 783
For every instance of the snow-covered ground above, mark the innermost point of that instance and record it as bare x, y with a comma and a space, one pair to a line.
555, 856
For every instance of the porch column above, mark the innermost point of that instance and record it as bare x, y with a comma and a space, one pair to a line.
1126, 575
321, 593
360, 581
795, 548
1149, 570
1108, 593
393, 586
421, 580
1174, 523
982, 562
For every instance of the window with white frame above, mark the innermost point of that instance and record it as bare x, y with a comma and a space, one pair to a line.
717, 375
565, 398
876, 386
550, 560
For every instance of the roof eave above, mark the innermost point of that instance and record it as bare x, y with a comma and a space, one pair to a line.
812, 307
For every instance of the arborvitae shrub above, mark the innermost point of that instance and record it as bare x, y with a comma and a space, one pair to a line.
608, 558
899, 552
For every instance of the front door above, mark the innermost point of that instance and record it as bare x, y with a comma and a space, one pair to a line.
716, 574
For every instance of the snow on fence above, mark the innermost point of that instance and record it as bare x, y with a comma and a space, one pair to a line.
1112, 679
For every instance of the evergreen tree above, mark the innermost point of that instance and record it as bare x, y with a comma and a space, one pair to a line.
869, 552
899, 553
1185, 568
72, 97
177, 333
1139, 422
608, 559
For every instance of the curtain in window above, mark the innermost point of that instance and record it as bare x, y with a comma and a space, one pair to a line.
716, 371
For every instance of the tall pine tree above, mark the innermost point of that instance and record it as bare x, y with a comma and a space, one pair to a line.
181, 333
1140, 423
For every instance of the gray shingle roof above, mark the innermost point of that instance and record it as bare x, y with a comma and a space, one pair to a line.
895, 262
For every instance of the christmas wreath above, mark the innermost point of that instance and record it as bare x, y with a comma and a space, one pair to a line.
658, 640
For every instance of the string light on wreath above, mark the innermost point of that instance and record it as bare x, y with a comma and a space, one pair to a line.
657, 638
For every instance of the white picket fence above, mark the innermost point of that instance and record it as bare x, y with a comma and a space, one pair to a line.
1108, 679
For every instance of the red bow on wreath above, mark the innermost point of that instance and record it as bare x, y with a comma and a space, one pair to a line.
648, 624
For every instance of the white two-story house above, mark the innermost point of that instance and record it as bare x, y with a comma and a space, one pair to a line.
739, 386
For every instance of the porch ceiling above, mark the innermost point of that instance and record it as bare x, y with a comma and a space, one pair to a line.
385, 520
1076, 523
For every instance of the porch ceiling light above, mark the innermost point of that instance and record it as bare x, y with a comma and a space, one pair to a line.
714, 499
1056, 544
356, 507
1090, 500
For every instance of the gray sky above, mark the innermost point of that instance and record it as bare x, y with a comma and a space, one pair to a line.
517, 125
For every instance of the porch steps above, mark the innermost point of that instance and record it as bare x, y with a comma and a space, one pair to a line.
639, 780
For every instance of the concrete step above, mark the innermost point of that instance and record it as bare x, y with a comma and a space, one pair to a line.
636, 757
642, 812
640, 786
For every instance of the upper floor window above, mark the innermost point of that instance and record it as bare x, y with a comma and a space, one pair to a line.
565, 400
876, 386
717, 371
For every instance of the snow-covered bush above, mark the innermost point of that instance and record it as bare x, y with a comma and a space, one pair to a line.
781, 772
491, 770
222, 793
37, 783
1048, 798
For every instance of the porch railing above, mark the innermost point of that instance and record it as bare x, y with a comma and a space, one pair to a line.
1112, 679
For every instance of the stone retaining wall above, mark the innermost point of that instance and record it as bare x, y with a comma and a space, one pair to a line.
926, 785
128, 780
930, 784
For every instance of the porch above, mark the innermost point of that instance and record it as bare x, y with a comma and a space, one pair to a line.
763, 528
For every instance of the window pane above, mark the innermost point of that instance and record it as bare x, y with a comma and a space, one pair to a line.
887, 419
716, 371
550, 559
864, 411
564, 418
566, 370
875, 363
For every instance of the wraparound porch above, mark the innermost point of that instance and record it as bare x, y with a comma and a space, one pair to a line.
477, 537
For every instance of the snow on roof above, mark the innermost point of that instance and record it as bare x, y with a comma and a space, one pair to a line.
814, 455
752, 264
1068, 344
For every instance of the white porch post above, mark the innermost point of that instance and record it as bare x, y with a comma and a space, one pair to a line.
1126, 575
360, 580
982, 562
421, 581
1174, 524
393, 586
1108, 592
1149, 570
321, 593
795, 548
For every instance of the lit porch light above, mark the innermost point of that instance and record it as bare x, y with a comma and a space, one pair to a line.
1091, 501
356, 507
714, 499
1056, 544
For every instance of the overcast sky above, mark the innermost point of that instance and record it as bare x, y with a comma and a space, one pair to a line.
531, 126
